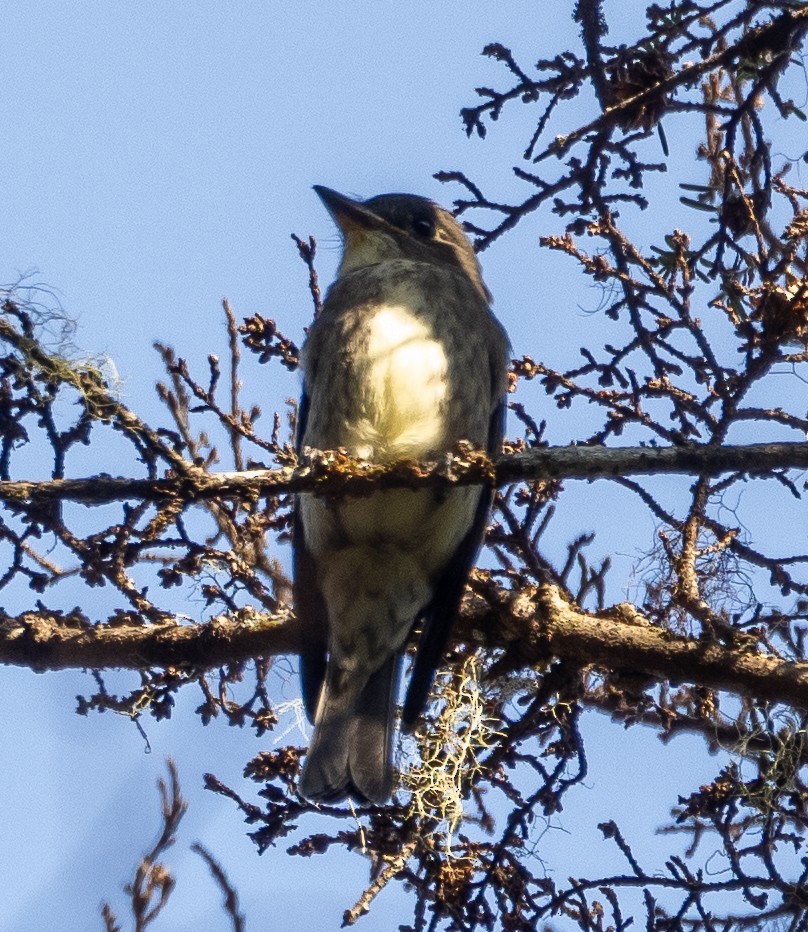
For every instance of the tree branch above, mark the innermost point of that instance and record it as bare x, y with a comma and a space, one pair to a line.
339, 474
545, 624
46, 640
532, 624
765, 38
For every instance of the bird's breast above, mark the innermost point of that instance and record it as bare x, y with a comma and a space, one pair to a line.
400, 374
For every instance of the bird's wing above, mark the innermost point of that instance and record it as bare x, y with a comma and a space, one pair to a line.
310, 607
441, 612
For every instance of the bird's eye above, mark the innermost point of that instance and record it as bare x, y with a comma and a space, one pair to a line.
423, 227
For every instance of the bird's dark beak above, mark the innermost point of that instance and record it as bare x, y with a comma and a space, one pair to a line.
347, 213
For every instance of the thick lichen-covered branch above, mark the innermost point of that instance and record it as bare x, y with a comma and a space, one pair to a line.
531, 626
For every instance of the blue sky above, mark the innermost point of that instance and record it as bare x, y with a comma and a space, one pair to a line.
156, 157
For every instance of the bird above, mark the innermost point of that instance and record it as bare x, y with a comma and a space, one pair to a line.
404, 360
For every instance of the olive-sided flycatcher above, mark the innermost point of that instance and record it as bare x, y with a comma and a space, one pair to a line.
405, 360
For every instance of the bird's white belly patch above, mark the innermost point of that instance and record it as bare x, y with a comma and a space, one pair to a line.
405, 384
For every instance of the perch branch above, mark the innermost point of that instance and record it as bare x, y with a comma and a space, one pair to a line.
337, 473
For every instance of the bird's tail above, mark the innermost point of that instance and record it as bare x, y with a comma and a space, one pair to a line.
352, 747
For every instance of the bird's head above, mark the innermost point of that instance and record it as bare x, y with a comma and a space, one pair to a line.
400, 226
